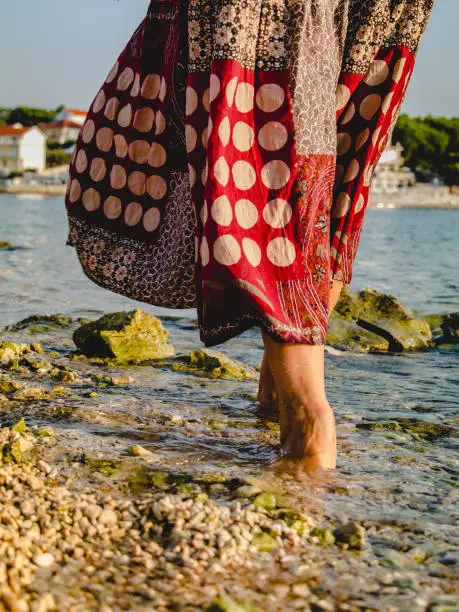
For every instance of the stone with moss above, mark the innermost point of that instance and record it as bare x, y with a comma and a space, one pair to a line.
127, 337
213, 364
387, 317
351, 534
18, 348
265, 500
32, 394
12, 453
108, 467
264, 542
159, 480
4, 244
19, 427
45, 323
324, 535
224, 603
7, 384
420, 430
44, 432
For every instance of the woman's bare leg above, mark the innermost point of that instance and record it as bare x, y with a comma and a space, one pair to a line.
267, 395
307, 424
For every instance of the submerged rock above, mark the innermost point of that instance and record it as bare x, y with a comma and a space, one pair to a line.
450, 327
351, 534
421, 430
213, 364
44, 323
134, 336
387, 317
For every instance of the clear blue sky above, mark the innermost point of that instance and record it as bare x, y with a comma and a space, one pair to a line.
59, 52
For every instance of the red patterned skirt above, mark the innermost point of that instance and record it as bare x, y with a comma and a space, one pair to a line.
226, 161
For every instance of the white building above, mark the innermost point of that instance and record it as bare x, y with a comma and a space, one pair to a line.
22, 148
390, 174
61, 131
71, 114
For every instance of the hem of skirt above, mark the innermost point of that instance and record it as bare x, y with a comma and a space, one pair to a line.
231, 330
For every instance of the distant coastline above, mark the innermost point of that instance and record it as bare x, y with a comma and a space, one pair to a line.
414, 197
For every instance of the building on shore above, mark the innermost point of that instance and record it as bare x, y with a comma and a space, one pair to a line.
61, 131
22, 148
390, 175
74, 115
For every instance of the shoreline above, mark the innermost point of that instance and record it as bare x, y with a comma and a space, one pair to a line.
375, 203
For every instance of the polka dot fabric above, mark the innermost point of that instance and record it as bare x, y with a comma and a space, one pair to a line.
208, 173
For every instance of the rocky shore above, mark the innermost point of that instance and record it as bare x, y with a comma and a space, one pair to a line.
103, 526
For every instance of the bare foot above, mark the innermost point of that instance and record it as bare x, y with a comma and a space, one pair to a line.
308, 435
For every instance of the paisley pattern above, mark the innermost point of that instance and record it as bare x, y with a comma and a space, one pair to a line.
226, 160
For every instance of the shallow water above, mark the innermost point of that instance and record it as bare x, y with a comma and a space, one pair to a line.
381, 475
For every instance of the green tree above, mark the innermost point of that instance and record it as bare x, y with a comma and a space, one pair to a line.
431, 146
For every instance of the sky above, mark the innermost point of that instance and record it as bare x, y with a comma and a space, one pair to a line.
59, 51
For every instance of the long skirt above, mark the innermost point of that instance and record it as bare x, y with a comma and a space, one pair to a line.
227, 159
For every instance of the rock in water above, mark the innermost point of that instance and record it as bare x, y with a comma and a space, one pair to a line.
352, 534
5, 245
450, 327
213, 364
133, 336
347, 334
386, 317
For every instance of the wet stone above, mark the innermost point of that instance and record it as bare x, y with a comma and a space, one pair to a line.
213, 364
127, 337
352, 534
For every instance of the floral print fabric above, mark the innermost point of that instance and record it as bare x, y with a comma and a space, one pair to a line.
227, 159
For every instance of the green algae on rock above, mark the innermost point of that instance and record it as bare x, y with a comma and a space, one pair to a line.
108, 467
7, 384
264, 542
421, 430
213, 364
324, 535
11, 352
265, 500
32, 394
127, 337
386, 317
43, 323
20, 426
352, 534
224, 603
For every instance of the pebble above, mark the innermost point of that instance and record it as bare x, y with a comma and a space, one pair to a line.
43, 560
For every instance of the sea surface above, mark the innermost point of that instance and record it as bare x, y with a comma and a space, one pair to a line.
385, 475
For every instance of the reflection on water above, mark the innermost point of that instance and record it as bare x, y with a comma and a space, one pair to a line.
383, 474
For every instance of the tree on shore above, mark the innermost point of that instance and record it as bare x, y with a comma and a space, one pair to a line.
431, 146
29, 116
